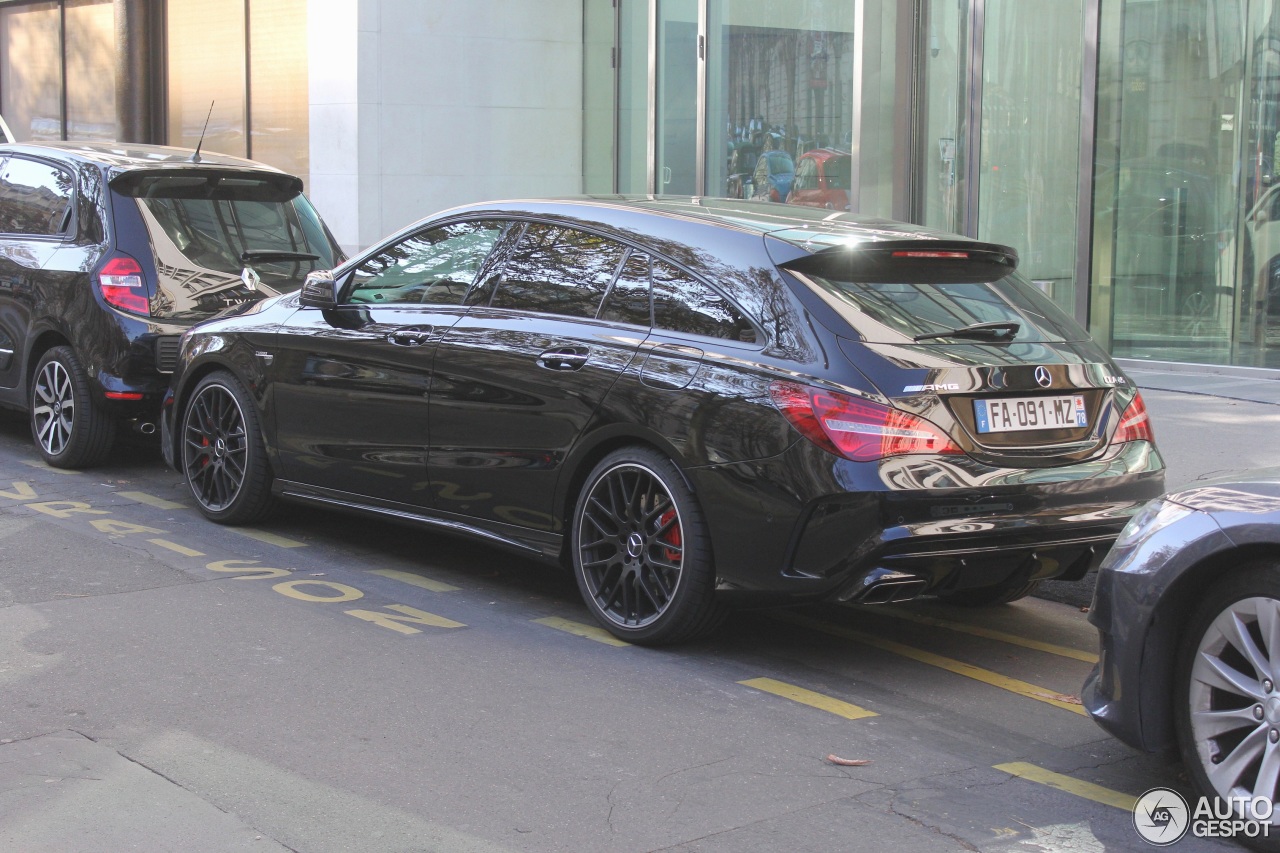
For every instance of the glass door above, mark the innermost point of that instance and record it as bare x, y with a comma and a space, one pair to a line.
676, 96
942, 144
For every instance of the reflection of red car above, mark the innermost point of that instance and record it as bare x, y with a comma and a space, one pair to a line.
822, 179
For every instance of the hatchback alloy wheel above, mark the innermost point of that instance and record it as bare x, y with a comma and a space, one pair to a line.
54, 411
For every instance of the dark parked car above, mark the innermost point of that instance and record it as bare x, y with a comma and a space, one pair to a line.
693, 403
108, 253
1187, 608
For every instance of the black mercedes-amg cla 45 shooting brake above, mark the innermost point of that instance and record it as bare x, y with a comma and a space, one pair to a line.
692, 403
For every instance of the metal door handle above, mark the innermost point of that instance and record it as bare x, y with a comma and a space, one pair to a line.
566, 358
409, 337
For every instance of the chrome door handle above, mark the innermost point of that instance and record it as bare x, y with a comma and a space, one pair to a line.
564, 358
409, 337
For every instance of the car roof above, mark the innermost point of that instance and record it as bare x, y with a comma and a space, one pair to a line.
125, 156
807, 228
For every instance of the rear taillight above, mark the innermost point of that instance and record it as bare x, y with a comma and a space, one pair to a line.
122, 286
856, 429
1135, 425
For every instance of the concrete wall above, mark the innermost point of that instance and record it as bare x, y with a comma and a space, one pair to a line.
418, 106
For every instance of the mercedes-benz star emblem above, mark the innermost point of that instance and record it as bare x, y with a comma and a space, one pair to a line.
1043, 379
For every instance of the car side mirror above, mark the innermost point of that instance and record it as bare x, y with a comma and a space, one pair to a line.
320, 290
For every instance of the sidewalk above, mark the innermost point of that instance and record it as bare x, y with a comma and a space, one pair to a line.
1232, 383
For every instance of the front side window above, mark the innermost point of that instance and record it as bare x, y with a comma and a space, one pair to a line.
557, 270
681, 303
433, 267
35, 198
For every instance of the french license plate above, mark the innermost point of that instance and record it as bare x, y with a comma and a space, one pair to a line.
1013, 414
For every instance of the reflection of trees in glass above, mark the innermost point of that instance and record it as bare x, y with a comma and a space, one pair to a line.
34, 198
558, 271
681, 303
430, 267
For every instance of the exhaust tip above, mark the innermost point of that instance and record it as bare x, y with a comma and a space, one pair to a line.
144, 427
884, 586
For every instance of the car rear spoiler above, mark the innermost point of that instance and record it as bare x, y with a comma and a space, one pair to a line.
910, 261
182, 180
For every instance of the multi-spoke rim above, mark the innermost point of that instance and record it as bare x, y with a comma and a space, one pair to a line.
54, 408
631, 545
1235, 700
215, 447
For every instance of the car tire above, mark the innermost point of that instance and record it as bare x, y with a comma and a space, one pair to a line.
1221, 680
222, 454
642, 553
987, 596
82, 439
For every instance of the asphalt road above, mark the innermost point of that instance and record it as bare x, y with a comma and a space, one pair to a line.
328, 683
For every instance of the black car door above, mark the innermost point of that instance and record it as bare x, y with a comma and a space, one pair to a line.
519, 377
35, 214
351, 384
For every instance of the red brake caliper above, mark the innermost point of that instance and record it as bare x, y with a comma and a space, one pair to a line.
672, 536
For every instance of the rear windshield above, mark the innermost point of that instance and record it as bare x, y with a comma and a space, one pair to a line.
886, 312
227, 242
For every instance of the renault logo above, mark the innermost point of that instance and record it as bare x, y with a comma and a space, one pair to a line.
1043, 379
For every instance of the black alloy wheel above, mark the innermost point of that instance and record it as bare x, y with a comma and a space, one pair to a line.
641, 552
223, 456
1227, 699
70, 431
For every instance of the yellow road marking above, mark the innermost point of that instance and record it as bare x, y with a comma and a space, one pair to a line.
174, 546
807, 697
990, 634
1013, 685
268, 538
344, 592
151, 500
407, 614
1079, 787
40, 463
414, 580
590, 632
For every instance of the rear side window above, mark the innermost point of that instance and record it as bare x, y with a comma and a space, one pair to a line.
35, 198
681, 303
557, 270
628, 300
434, 267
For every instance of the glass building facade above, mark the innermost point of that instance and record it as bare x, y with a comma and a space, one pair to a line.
1126, 148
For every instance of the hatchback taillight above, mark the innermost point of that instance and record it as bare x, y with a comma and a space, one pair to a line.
856, 429
1135, 425
122, 286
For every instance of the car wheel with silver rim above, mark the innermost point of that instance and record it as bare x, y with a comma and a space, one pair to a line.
70, 431
641, 552
1228, 708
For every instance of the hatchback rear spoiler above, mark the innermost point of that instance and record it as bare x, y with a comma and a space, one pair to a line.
910, 261
183, 180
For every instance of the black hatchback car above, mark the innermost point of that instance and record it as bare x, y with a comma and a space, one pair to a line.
691, 402
108, 253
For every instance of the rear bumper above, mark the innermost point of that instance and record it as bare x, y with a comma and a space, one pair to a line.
780, 530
